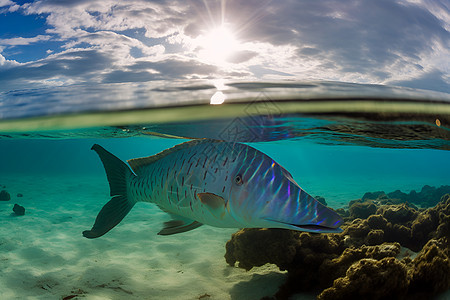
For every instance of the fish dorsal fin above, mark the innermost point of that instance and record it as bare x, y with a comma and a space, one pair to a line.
137, 163
286, 173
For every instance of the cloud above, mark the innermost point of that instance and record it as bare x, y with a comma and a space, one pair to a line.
20, 41
435, 80
385, 41
12, 6
75, 65
4, 63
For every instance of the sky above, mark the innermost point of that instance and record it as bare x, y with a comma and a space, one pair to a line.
64, 42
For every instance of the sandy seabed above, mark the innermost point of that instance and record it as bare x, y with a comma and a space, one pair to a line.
44, 256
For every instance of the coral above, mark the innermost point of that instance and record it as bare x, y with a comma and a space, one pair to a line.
5, 196
373, 196
377, 222
370, 279
360, 262
375, 237
343, 213
431, 272
256, 247
397, 213
428, 196
331, 269
423, 226
362, 209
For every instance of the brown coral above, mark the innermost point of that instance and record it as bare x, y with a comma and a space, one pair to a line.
397, 214
362, 209
370, 279
256, 247
357, 263
431, 272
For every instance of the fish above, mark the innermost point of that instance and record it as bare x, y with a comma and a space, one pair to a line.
214, 182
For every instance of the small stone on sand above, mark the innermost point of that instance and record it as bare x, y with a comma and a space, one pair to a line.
19, 210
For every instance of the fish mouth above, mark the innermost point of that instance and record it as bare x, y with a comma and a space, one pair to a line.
308, 227
317, 228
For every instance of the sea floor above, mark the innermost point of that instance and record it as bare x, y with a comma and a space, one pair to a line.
44, 256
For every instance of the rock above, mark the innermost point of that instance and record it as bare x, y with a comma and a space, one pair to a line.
397, 214
19, 210
431, 273
256, 247
5, 196
332, 269
362, 209
357, 263
375, 237
372, 196
343, 213
358, 229
428, 196
377, 222
423, 227
321, 200
370, 279
403, 197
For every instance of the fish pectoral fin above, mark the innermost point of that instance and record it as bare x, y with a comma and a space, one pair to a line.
212, 200
178, 226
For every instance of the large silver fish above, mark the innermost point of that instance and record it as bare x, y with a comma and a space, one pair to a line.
212, 182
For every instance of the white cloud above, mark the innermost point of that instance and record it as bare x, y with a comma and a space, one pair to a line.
20, 41
4, 63
380, 41
6, 3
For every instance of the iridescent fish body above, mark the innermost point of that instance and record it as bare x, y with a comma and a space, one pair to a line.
212, 182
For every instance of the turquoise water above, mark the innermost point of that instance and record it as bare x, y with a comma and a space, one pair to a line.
44, 255
338, 173
337, 155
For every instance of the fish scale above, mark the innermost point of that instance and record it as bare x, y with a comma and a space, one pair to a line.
211, 182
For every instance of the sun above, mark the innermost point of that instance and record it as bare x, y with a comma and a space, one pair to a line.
217, 45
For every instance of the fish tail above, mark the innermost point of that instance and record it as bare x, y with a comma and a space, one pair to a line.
118, 207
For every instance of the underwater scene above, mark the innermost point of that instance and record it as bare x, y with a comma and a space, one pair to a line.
224, 149
276, 199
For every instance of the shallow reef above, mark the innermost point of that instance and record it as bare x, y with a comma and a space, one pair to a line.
370, 259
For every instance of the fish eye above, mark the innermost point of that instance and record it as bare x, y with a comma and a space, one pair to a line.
238, 179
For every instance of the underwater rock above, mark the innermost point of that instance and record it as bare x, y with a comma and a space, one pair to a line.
372, 196
431, 268
397, 194
375, 237
343, 213
397, 213
432, 223
427, 197
362, 209
377, 222
423, 227
356, 263
19, 210
332, 269
321, 200
5, 196
370, 279
256, 247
